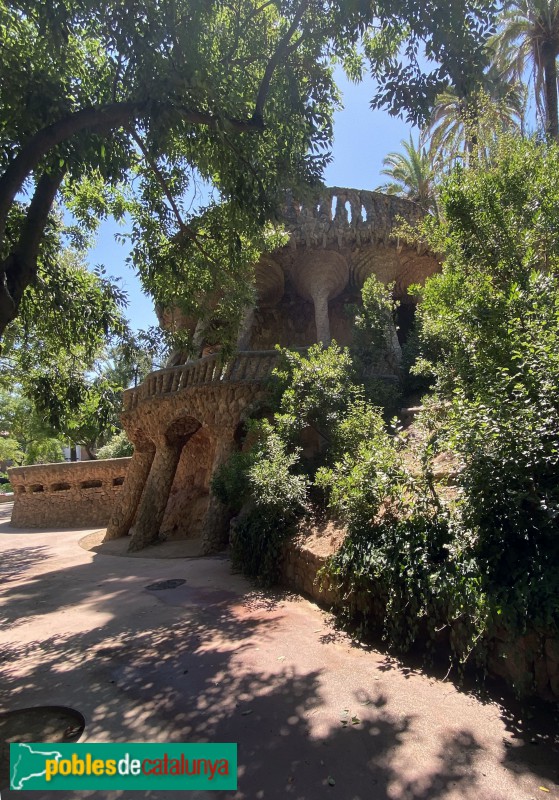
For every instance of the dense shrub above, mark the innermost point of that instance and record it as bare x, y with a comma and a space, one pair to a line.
117, 447
488, 338
489, 331
375, 349
273, 494
272, 482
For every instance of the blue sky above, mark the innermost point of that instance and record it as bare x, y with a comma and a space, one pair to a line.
362, 138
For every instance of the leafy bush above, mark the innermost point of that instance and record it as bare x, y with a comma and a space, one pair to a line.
230, 482
415, 575
271, 482
489, 331
367, 469
314, 390
375, 349
275, 497
488, 336
374, 346
117, 447
5, 486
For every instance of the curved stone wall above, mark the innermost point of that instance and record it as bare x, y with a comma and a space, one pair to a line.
337, 239
67, 495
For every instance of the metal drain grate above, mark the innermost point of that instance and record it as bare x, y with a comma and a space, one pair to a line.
172, 583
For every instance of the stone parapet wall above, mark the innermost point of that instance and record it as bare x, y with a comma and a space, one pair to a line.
529, 664
67, 495
251, 367
340, 215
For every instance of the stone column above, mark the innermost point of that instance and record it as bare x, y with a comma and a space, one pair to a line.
394, 348
320, 276
216, 525
151, 509
197, 340
322, 317
245, 328
125, 510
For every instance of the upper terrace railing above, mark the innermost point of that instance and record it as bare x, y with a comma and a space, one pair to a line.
340, 215
250, 366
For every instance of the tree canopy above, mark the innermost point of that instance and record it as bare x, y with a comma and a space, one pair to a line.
120, 108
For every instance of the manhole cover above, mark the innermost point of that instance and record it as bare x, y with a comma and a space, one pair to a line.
172, 583
39, 724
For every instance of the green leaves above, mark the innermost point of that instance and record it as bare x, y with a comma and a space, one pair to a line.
490, 326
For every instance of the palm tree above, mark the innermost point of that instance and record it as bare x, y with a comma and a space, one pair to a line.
460, 124
413, 176
530, 38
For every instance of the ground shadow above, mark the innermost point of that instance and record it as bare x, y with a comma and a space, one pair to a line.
188, 669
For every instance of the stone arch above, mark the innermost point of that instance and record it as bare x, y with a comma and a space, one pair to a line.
169, 441
179, 431
270, 282
187, 505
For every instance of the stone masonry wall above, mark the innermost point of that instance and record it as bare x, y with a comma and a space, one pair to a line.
67, 495
529, 664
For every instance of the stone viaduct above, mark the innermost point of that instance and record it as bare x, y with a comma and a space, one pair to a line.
186, 419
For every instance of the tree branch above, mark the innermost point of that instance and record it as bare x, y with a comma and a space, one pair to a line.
103, 118
281, 52
20, 268
152, 163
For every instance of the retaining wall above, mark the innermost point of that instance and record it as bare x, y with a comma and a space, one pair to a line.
66, 495
529, 664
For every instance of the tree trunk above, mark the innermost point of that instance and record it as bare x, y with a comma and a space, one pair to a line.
33, 152
19, 269
550, 79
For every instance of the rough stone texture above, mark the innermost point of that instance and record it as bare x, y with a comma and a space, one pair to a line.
335, 244
303, 558
188, 415
75, 494
188, 500
124, 513
529, 664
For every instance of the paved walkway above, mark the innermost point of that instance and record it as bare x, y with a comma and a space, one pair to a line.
214, 660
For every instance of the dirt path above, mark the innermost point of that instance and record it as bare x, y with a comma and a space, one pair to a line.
214, 660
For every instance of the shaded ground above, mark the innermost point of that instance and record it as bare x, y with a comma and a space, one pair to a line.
176, 548
214, 660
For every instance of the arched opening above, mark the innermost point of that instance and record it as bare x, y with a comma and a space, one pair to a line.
189, 496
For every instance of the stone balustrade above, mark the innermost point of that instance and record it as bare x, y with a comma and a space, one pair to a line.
70, 494
243, 367
342, 216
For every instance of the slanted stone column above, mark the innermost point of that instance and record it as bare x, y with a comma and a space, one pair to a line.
216, 525
151, 509
123, 515
322, 317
